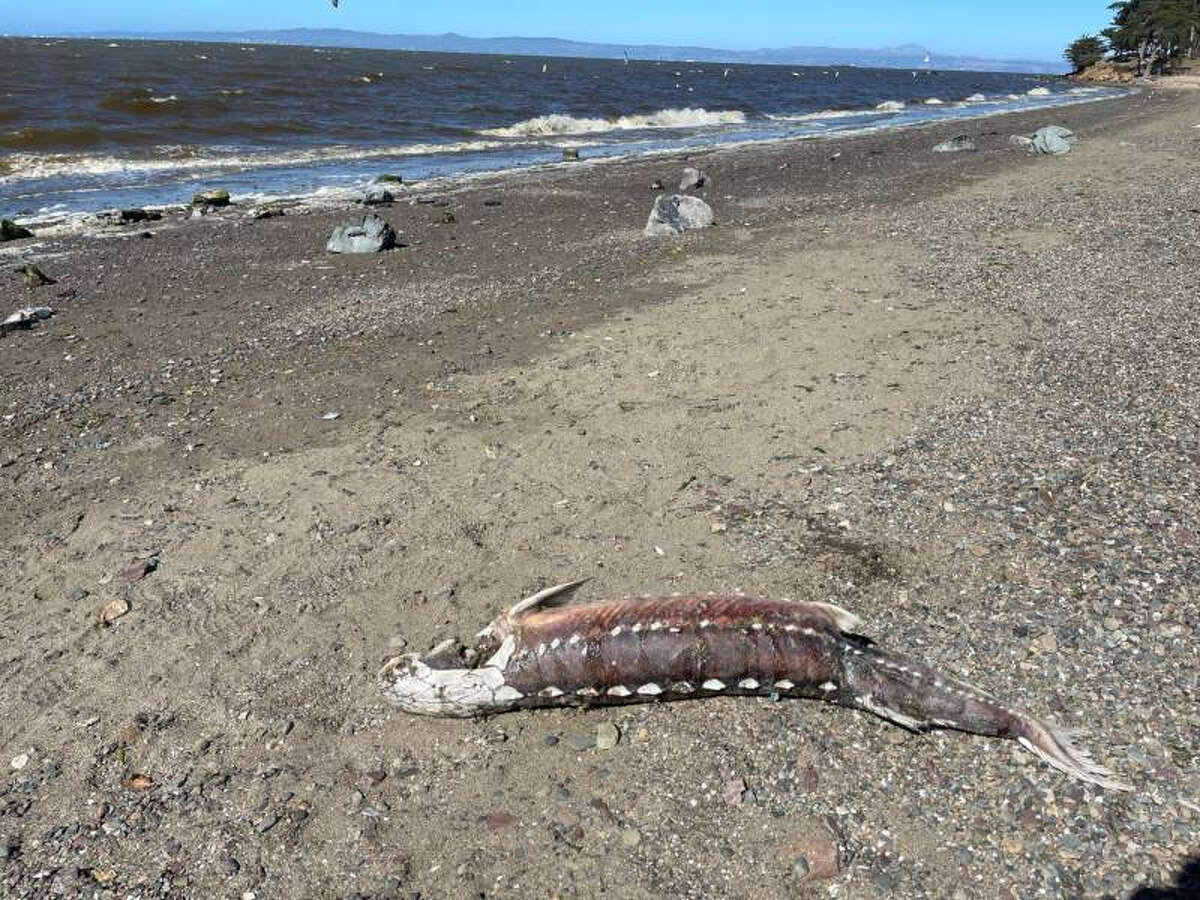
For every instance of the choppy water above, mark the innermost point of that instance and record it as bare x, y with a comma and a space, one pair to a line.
91, 125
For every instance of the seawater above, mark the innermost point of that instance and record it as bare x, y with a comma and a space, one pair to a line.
89, 125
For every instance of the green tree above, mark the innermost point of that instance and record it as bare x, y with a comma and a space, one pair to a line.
1154, 32
1086, 50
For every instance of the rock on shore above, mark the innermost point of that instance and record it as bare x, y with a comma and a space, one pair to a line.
1105, 72
371, 235
11, 231
677, 213
955, 145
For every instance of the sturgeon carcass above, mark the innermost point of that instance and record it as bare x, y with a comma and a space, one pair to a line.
549, 651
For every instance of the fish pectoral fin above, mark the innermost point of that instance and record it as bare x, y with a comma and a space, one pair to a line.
559, 595
918, 726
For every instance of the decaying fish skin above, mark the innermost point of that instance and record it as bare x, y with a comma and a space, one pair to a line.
546, 651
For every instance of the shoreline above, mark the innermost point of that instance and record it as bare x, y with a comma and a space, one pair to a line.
333, 194
913, 384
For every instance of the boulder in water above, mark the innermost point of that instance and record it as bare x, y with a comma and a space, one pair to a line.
570, 154
371, 235
955, 145
388, 178
692, 179
677, 213
11, 231
215, 197
1053, 140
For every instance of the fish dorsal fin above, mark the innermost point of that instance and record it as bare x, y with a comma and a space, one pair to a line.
844, 619
559, 595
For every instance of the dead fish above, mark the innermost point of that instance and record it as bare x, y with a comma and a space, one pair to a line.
547, 651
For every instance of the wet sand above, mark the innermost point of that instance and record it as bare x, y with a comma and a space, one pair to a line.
953, 393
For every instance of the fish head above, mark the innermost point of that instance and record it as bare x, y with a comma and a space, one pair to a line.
422, 686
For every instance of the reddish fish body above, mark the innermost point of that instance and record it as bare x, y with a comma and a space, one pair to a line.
544, 653
672, 647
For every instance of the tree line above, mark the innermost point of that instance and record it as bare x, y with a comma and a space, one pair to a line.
1152, 33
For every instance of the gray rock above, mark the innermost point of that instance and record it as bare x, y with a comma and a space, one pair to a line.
215, 197
677, 213
1019, 140
581, 741
24, 318
570, 154
376, 194
692, 179
11, 231
955, 145
1053, 140
371, 235
138, 215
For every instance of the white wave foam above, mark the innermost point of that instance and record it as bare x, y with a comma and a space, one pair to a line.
977, 98
28, 167
933, 101
890, 106
1040, 92
546, 126
823, 115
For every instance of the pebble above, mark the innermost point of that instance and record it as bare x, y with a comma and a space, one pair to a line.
230, 866
814, 858
1046, 643
20, 761
631, 837
113, 610
500, 821
580, 741
550, 740
735, 791
884, 883
607, 736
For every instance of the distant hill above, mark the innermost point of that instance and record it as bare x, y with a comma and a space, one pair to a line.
908, 56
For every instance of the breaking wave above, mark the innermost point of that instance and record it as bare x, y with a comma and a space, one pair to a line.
30, 167
548, 126
825, 114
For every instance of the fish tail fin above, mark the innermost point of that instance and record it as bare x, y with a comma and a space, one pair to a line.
1057, 748
918, 697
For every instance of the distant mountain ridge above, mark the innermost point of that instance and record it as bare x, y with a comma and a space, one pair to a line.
907, 56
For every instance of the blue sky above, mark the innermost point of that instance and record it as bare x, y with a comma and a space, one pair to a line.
1018, 28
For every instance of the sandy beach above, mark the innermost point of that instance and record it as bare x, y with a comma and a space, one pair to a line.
954, 393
